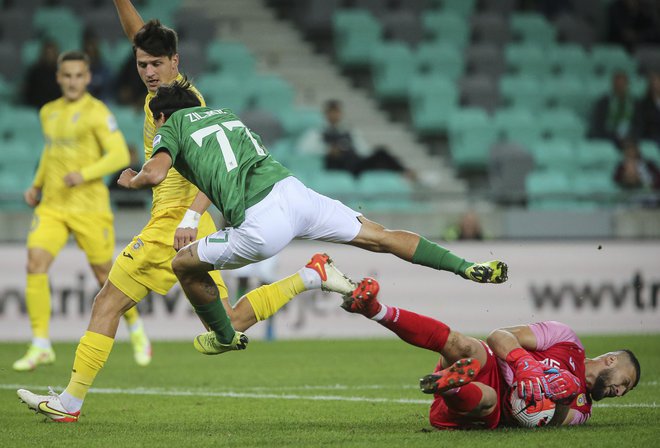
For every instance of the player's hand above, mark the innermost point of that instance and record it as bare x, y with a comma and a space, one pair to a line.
184, 236
528, 374
125, 178
31, 196
561, 386
73, 178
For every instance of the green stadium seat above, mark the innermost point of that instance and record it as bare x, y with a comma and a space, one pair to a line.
131, 124
550, 190
272, 93
570, 60
356, 33
300, 119
440, 58
606, 59
598, 154
306, 166
384, 190
464, 8
446, 27
650, 150
230, 59
30, 52
533, 28
526, 59
22, 153
562, 124
60, 24
596, 188
115, 53
555, 154
638, 85
392, 68
471, 134
222, 90
333, 183
432, 101
522, 91
569, 92
517, 126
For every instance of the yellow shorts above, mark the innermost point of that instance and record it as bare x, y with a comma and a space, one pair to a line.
146, 263
94, 233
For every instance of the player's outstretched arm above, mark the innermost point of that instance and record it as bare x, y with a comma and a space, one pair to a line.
186, 232
130, 19
152, 173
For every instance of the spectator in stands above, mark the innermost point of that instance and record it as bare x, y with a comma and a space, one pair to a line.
40, 85
647, 115
633, 22
634, 172
345, 149
101, 85
467, 228
613, 114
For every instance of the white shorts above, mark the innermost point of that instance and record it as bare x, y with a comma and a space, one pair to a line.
290, 210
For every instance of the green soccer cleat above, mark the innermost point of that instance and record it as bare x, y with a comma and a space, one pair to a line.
34, 357
208, 343
48, 405
488, 272
141, 347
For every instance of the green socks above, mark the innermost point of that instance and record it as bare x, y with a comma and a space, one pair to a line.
216, 318
437, 257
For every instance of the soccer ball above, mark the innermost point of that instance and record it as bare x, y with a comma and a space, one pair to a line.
533, 415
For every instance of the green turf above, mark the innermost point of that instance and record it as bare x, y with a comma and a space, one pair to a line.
273, 379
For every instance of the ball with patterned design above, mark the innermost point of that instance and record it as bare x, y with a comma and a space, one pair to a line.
531, 415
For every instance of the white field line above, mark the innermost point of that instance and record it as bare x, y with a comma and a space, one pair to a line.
266, 396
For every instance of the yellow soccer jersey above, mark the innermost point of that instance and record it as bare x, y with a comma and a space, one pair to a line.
80, 136
175, 190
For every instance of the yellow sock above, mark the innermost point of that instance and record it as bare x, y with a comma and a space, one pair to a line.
92, 353
37, 299
132, 316
267, 299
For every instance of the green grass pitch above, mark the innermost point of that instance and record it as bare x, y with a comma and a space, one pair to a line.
295, 393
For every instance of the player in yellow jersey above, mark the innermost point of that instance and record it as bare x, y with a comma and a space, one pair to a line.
146, 263
83, 144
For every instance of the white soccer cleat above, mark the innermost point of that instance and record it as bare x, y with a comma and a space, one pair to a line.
48, 405
34, 357
332, 279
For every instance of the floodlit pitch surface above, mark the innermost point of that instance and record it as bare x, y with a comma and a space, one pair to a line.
295, 393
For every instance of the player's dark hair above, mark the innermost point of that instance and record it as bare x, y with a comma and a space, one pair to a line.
172, 97
156, 39
635, 363
73, 56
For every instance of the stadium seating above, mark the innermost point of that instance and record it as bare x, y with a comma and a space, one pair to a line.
471, 134
392, 67
555, 154
441, 59
432, 100
230, 58
550, 190
356, 33
522, 91
446, 27
598, 155
533, 28
223, 91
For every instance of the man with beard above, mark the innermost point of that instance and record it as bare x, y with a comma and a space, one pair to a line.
473, 379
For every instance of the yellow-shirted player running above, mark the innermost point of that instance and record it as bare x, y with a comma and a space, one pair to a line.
83, 144
146, 263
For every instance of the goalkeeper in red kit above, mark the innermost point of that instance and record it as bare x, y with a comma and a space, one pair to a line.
473, 378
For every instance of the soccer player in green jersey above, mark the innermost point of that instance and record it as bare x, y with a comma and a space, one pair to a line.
265, 206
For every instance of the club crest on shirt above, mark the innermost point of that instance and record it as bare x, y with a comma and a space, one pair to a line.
138, 244
156, 140
581, 400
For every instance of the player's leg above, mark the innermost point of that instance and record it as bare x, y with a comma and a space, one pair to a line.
95, 235
413, 328
462, 356
263, 302
92, 353
412, 247
48, 234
